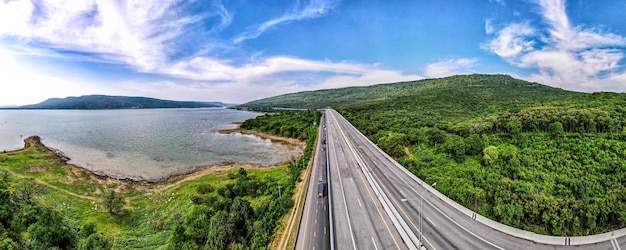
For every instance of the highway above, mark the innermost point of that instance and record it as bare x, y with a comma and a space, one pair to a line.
389, 219
360, 221
314, 231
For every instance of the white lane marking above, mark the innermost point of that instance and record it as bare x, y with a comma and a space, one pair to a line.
324, 230
314, 234
357, 199
316, 210
352, 180
402, 193
373, 241
615, 244
431, 222
344, 200
315, 221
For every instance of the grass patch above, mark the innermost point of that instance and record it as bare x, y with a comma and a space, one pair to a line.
151, 210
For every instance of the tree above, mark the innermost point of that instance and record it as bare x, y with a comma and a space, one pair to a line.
474, 144
556, 130
114, 202
51, 231
95, 241
490, 155
92, 240
26, 190
393, 143
436, 136
455, 146
220, 231
241, 213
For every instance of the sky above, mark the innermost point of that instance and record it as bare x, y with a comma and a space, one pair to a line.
238, 51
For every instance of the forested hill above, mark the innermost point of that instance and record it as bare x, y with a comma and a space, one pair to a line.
473, 89
527, 155
115, 102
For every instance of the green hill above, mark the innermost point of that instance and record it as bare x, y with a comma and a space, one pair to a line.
528, 155
483, 89
115, 102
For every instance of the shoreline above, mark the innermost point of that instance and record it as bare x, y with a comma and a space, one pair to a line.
289, 141
62, 158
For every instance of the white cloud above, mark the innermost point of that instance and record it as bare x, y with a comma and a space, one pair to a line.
513, 40
203, 68
270, 76
134, 32
572, 57
366, 79
313, 9
489, 29
449, 67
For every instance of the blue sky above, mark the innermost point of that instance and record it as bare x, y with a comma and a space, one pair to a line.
238, 51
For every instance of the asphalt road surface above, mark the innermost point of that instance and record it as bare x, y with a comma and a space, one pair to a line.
314, 231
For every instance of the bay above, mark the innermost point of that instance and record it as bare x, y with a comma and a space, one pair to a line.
143, 144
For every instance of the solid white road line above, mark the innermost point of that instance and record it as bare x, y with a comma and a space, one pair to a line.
373, 241
615, 244
431, 222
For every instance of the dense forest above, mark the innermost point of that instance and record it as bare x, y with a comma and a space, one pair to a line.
528, 155
225, 218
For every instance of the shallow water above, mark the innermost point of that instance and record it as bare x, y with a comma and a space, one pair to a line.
143, 144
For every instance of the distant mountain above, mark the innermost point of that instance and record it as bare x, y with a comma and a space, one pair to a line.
115, 102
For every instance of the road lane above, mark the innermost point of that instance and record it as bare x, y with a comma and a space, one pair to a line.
360, 220
314, 230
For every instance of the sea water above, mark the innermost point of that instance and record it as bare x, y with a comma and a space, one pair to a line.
143, 144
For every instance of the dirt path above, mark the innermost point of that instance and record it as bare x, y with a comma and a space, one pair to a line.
408, 152
53, 187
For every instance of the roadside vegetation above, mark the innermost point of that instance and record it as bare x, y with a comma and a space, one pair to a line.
524, 154
547, 161
47, 204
